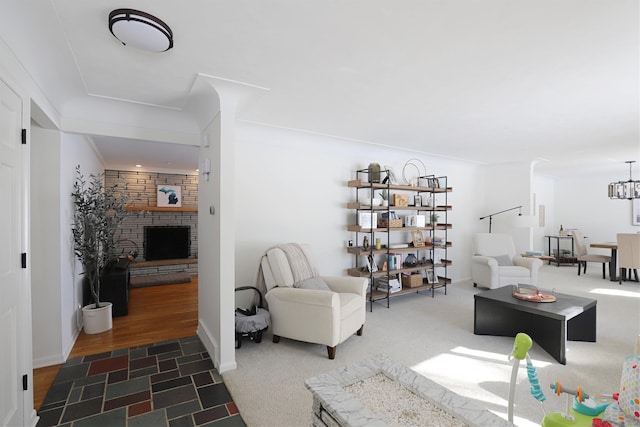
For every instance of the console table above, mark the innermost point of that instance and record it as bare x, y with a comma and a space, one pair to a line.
559, 259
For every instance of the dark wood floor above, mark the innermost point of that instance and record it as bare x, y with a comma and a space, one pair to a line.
156, 313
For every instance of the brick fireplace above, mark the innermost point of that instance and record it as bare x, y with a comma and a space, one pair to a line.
144, 212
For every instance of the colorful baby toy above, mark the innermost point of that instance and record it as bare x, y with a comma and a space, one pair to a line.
620, 409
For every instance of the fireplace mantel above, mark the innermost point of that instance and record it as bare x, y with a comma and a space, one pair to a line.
162, 209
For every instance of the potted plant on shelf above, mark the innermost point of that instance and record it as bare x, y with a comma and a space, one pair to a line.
385, 197
98, 213
434, 218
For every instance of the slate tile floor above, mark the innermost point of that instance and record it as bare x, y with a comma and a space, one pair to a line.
172, 383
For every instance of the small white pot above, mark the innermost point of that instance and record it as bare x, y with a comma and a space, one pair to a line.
97, 320
385, 203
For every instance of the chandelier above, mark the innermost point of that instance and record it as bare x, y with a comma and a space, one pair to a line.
629, 189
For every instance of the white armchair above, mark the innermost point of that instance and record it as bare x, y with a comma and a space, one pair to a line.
322, 316
495, 263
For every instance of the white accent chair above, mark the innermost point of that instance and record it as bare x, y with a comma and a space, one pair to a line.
495, 262
325, 317
583, 256
628, 256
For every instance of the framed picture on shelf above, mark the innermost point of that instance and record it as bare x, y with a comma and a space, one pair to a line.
431, 277
431, 182
418, 239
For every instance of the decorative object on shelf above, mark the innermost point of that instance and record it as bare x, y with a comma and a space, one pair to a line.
434, 218
418, 239
629, 189
561, 232
141, 30
415, 220
417, 200
374, 173
410, 261
413, 181
389, 219
411, 280
384, 195
400, 200
398, 246
367, 219
390, 177
378, 243
371, 264
171, 196
431, 277
372, 201
365, 242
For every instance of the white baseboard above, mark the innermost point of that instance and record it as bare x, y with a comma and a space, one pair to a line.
212, 347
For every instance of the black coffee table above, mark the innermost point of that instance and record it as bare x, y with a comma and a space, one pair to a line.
550, 324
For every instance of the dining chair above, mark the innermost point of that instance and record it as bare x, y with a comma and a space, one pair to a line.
628, 255
583, 256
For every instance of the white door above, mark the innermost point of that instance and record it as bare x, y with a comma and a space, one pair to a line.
11, 274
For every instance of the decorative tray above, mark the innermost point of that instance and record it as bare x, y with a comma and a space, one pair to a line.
532, 294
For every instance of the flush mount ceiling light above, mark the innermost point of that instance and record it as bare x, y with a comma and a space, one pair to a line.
141, 30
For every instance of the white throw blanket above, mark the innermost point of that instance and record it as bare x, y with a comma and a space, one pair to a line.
299, 260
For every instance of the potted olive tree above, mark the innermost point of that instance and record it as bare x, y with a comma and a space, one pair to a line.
98, 213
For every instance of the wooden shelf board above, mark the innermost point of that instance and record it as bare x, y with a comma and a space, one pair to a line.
380, 295
358, 183
162, 209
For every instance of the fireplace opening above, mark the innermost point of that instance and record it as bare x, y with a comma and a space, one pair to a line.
166, 242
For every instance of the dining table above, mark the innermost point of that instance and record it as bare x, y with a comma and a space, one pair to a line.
613, 265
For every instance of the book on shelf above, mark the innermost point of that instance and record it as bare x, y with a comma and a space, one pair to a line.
384, 284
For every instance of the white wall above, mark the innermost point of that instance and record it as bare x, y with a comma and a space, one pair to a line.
292, 187
56, 280
508, 186
544, 191
582, 202
46, 293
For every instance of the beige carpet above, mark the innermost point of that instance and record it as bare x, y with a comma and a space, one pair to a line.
434, 336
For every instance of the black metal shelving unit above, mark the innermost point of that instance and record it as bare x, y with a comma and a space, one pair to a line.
431, 257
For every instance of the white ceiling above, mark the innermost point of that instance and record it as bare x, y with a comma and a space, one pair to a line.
488, 81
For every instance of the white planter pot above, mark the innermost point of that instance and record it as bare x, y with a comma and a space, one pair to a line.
97, 320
